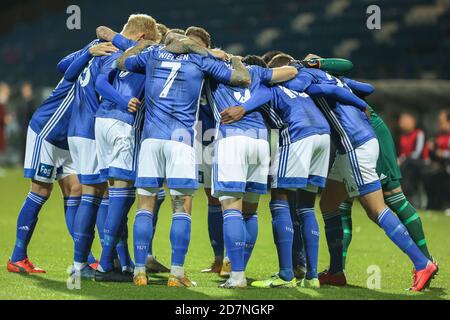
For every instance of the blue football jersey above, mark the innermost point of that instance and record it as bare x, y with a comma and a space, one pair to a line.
51, 120
222, 96
294, 114
129, 85
350, 126
172, 90
82, 122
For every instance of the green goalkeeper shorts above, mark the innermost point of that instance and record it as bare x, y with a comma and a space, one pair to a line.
387, 166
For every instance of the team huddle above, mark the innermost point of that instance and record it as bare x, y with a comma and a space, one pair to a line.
151, 107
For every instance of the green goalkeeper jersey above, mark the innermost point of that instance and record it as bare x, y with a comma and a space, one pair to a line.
375, 119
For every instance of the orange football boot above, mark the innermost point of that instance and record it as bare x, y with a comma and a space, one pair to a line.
23, 266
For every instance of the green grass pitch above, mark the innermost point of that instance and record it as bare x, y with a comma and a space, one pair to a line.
51, 248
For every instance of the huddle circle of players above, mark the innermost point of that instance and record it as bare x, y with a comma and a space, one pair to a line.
124, 120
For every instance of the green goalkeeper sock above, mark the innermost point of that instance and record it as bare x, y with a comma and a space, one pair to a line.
346, 221
410, 218
334, 66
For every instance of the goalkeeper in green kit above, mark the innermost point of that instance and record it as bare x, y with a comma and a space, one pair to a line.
339, 230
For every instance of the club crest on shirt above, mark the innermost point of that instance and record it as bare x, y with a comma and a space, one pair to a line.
242, 97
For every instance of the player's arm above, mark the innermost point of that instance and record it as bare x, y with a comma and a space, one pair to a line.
283, 74
118, 40
105, 33
239, 74
340, 94
130, 59
259, 98
65, 62
361, 89
335, 66
77, 66
186, 45
108, 92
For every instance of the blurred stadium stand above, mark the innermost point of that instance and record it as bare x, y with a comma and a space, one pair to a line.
414, 41
407, 59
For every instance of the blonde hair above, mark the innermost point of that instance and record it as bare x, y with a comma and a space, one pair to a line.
142, 23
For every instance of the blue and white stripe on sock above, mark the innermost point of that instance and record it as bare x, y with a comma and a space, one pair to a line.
70, 210
26, 222
84, 226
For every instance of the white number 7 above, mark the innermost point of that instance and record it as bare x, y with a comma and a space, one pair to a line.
174, 66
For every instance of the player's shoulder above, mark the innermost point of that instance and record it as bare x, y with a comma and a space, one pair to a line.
108, 60
311, 71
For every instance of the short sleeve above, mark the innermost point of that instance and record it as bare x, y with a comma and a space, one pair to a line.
215, 68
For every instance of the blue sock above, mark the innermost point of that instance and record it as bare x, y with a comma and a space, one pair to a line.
142, 235
215, 229
234, 237
298, 253
398, 233
113, 227
180, 236
84, 226
251, 234
122, 249
310, 233
335, 235
26, 222
283, 234
70, 210
159, 201
102, 214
